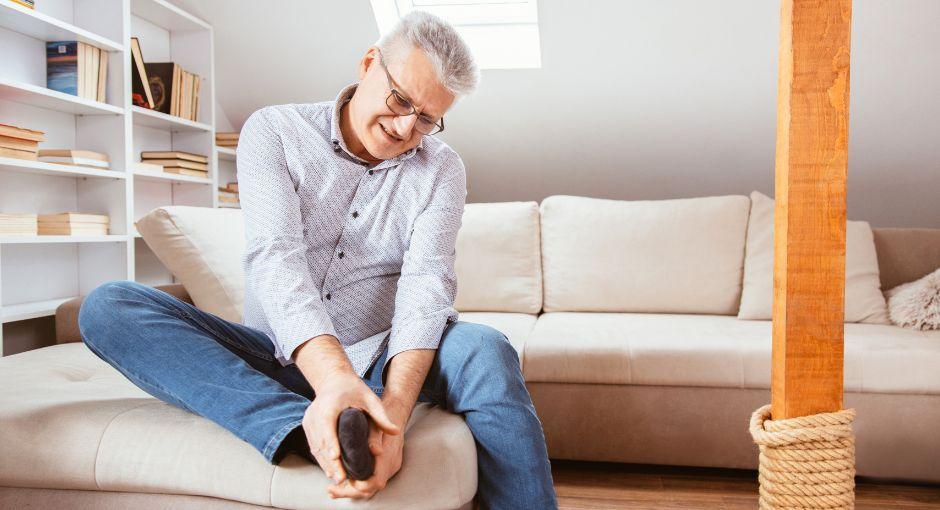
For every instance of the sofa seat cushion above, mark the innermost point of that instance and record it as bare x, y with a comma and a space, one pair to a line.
71, 421
516, 326
714, 351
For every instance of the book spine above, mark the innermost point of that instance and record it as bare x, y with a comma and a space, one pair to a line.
62, 66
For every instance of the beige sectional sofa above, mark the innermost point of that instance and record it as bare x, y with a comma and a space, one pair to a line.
625, 318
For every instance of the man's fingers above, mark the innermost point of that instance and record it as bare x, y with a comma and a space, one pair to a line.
377, 411
375, 440
329, 444
347, 490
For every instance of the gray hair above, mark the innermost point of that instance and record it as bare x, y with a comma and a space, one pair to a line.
446, 50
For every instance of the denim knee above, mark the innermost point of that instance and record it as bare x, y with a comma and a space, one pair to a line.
96, 306
486, 350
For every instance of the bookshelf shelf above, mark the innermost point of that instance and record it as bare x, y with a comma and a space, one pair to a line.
145, 175
150, 118
225, 153
167, 15
31, 310
227, 205
31, 239
42, 97
55, 169
38, 271
40, 26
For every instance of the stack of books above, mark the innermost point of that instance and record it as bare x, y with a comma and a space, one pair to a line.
19, 143
164, 86
74, 157
77, 68
178, 162
16, 224
26, 3
73, 224
226, 139
228, 194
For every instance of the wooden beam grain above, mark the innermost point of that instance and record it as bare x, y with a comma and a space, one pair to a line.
809, 218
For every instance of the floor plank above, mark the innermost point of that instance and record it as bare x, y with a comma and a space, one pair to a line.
610, 486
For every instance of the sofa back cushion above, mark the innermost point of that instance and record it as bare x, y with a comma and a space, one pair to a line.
203, 248
864, 301
499, 266
660, 256
906, 254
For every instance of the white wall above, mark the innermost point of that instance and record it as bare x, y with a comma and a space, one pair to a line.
635, 100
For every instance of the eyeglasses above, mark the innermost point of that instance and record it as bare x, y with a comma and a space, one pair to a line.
399, 105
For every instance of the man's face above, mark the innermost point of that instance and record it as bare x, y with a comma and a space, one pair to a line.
383, 134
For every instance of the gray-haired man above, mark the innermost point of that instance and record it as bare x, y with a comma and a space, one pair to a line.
351, 215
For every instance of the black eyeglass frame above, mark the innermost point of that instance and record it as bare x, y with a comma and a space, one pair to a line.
404, 102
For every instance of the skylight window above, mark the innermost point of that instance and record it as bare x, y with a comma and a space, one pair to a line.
503, 34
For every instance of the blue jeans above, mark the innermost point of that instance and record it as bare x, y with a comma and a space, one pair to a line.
227, 372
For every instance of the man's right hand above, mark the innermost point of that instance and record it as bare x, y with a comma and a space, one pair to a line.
336, 387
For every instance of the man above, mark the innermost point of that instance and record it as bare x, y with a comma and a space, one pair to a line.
351, 214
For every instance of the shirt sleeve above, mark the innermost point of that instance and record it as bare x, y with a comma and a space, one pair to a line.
427, 287
275, 260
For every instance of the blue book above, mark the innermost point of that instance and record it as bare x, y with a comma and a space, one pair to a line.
62, 66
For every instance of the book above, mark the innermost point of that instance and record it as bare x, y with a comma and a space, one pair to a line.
186, 171
73, 153
188, 156
22, 133
185, 97
147, 167
17, 154
91, 76
103, 77
26, 3
180, 163
228, 199
140, 84
64, 62
161, 77
65, 160
8, 142
73, 217
195, 115
227, 135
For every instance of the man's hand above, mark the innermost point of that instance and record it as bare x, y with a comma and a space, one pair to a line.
387, 449
322, 415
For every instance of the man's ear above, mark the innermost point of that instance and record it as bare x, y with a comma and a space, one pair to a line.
367, 61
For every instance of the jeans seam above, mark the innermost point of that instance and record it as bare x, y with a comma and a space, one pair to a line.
279, 437
223, 338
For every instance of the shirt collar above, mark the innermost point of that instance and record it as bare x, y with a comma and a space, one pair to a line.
336, 134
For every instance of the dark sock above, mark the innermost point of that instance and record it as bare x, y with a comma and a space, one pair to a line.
295, 441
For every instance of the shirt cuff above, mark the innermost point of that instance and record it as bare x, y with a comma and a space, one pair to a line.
290, 336
421, 333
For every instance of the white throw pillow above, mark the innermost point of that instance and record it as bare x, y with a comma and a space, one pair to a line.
916, 304
499, 262
202, 247
659, 256
864, 301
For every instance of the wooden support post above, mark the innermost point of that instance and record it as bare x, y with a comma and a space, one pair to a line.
809, 219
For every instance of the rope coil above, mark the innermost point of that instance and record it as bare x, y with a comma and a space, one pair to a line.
806, 462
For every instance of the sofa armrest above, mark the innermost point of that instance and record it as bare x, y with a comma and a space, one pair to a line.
66, 314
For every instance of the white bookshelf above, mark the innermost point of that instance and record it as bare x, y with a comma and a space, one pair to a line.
37, 273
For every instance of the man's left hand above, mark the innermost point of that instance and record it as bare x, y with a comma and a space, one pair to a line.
387, 450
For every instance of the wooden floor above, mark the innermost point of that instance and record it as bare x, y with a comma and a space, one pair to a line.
596, 485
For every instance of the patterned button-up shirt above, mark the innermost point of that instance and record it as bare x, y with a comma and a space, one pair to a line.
336, 245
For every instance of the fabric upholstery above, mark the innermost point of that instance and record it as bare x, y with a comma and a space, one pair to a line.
906, 254
499, 265
663, 256
71, 421
714, 350
202, 247
864, 301
895, 435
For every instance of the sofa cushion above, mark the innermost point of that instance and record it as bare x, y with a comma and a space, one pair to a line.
71, 421
202, 247
864, 301
669, 256
499, 265
516, 326
714, 350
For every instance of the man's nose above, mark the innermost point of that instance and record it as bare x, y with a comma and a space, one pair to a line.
404, 124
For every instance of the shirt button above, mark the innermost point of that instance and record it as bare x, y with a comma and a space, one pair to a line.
328, 295
370, 172
355, 214
341, 255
